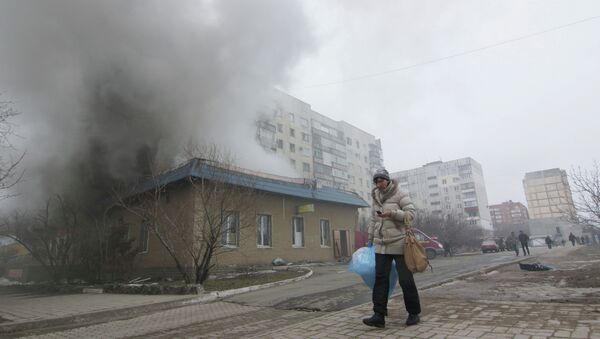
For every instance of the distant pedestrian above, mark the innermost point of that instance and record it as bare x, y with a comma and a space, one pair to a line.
501, 244
447, 250
563, 242
387, 230
524, 239
572, 238
511, 242
582, 241
549, 241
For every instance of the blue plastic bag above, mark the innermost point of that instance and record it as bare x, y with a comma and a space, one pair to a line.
363, 264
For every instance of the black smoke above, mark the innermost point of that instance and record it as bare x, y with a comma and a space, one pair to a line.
106, 88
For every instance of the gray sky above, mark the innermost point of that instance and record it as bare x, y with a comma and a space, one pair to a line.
527, 105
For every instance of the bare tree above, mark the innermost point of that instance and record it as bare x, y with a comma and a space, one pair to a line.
456, 231
209, 220
9, 173
586, 185
49, 236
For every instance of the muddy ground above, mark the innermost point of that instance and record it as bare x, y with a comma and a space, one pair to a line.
575, 278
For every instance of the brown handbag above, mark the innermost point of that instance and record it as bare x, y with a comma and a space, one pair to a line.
414, 253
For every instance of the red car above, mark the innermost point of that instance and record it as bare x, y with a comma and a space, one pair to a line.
432, 246
489, 246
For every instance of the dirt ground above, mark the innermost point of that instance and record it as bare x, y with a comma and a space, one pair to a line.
575, 278
249, 280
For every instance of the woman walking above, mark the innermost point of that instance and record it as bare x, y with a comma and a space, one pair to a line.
387, 230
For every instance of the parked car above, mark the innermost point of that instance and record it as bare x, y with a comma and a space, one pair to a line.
489, 246
432, 246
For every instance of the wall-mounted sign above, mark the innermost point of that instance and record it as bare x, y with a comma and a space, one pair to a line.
307, 208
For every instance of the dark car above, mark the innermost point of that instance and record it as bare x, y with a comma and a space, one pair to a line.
489, 246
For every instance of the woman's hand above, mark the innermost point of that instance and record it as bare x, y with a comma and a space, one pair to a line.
386, 215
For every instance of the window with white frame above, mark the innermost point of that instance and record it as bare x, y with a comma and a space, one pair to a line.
263, 230
298, 232
144, 237
325, 233
230, 229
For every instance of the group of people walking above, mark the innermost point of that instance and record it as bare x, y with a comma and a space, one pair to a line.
512, 243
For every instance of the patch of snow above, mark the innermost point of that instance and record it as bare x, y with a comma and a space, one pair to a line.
6, 282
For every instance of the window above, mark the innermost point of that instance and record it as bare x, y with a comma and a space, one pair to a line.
305, 151
366, 160
305, 167
230, 229
304, 122
292, 148
293, 162
433, 186
291, 116
305, 137
280, 128
444, 181
263, 231
357, 145
325, 233
432, 178
297, 232
144, 237
348, 141
292, 132
279, 143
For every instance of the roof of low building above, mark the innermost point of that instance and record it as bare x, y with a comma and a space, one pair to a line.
199, 168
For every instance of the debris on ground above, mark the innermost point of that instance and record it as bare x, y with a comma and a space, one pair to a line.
535, 267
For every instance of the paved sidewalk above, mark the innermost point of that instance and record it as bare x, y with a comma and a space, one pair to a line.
18, 307
450, 318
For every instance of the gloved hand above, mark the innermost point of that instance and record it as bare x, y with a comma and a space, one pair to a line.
370, 243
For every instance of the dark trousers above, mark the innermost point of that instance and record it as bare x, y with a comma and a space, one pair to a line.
525, 248
383, 267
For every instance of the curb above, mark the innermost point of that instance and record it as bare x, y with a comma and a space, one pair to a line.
93, 318
227, 293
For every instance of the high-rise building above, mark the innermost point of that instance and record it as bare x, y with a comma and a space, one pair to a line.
548, 194
508, 213
454, 188
333, 153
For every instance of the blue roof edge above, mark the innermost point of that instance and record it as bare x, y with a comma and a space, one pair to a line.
198, 168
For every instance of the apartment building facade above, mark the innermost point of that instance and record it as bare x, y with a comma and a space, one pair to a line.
548, 194
455, 188
508, 213
332, 153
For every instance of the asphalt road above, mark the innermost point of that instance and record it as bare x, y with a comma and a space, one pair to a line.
333, 288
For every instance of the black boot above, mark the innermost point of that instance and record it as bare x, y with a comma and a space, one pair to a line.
377, 320
412, 319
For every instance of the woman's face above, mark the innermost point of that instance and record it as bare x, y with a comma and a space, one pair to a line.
381, 183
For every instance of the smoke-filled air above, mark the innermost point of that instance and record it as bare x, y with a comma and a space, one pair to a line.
102, 87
